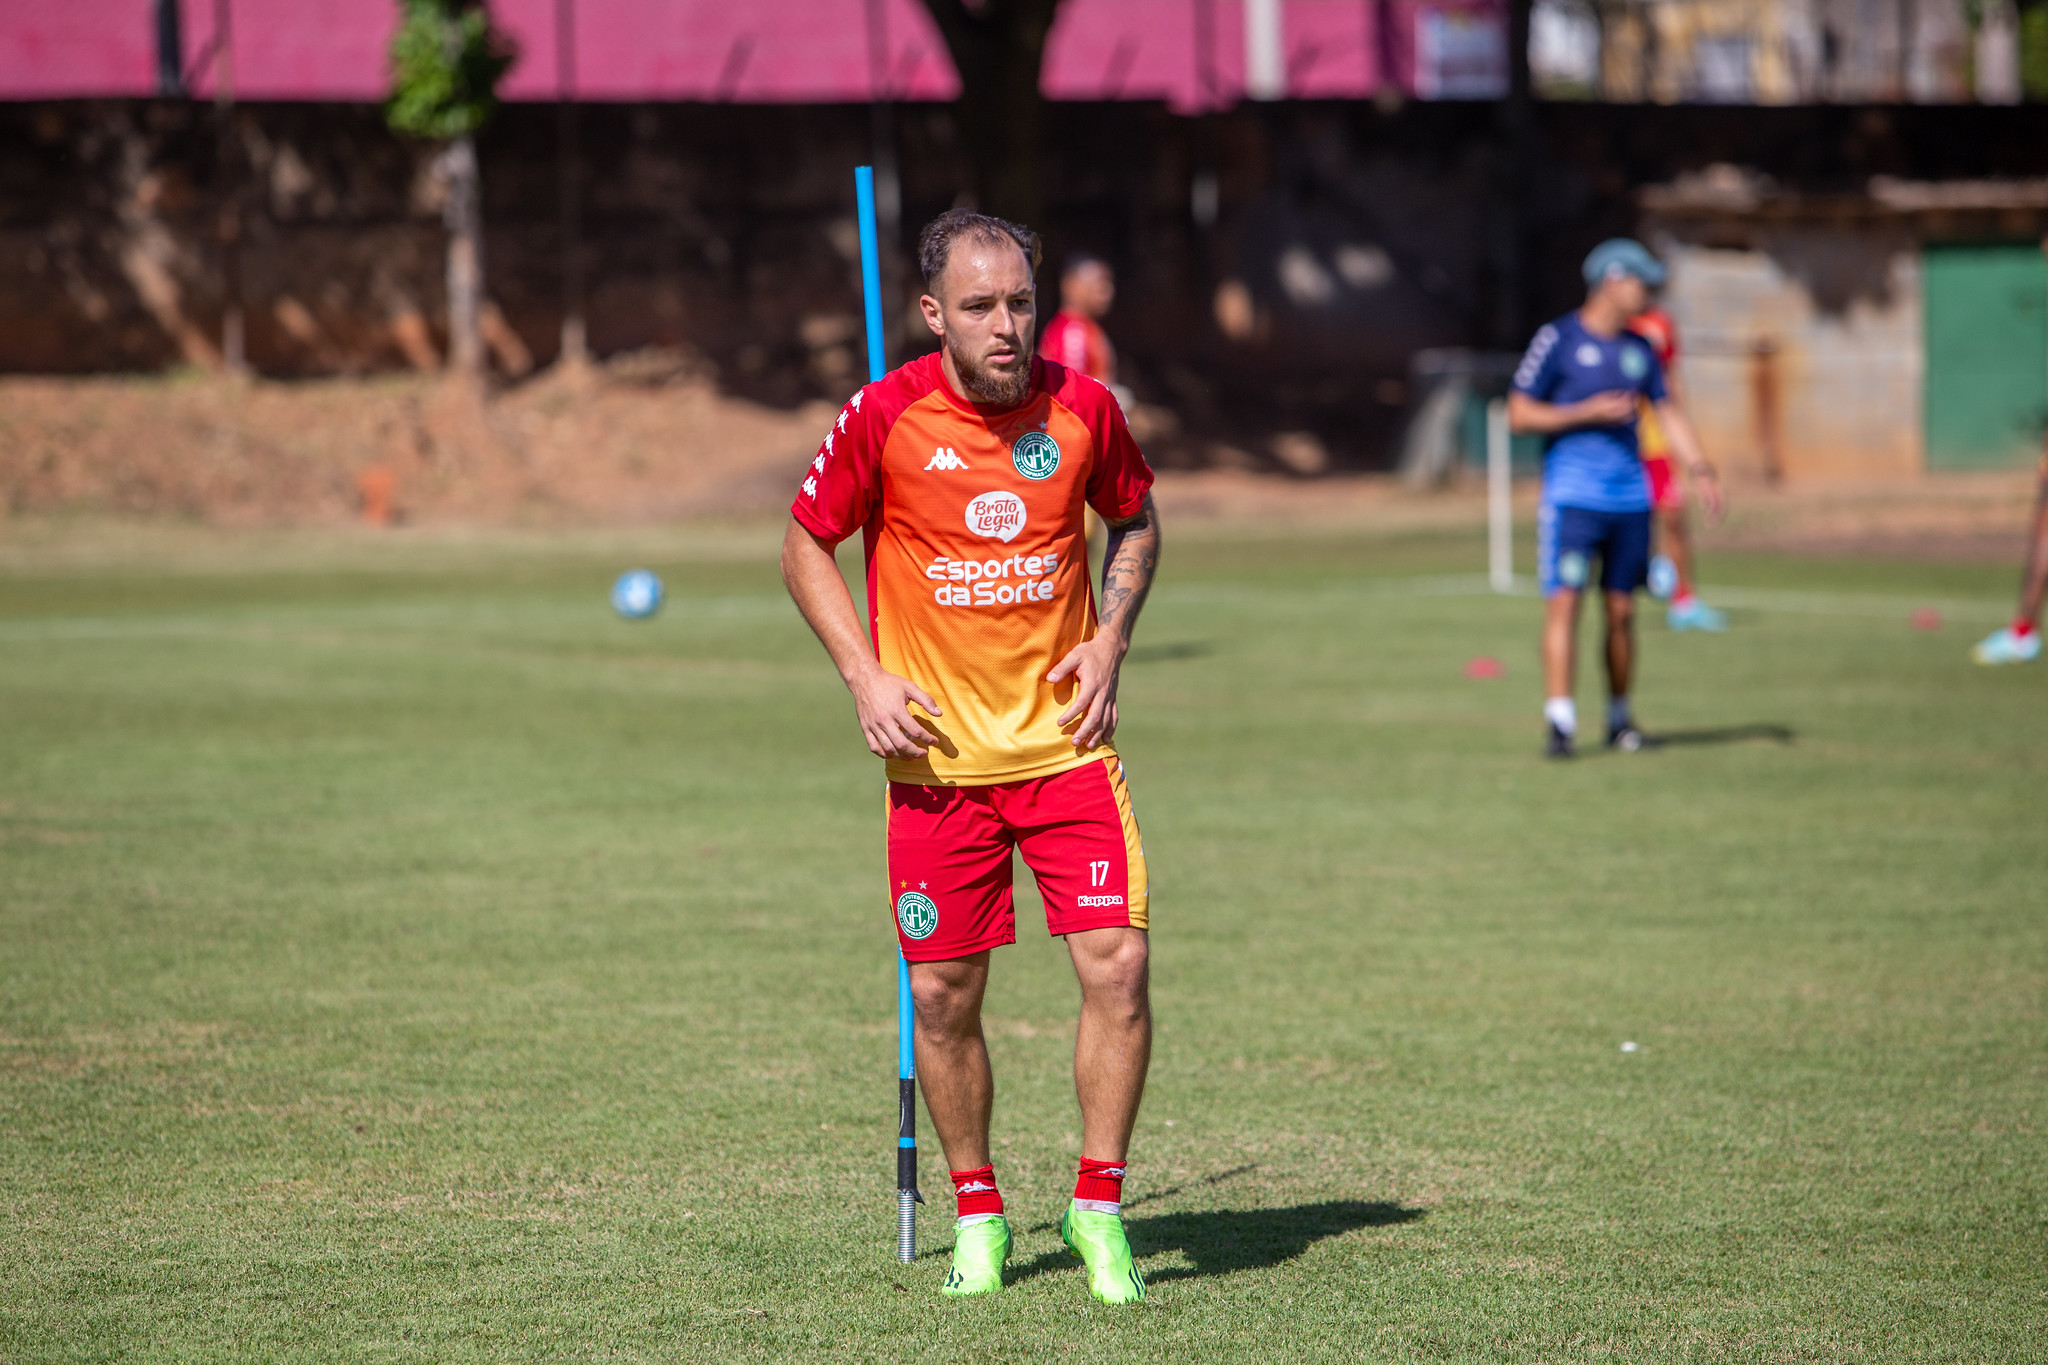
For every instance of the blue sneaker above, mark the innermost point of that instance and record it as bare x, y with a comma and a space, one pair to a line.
1693, 614
2004, 647
1663, 578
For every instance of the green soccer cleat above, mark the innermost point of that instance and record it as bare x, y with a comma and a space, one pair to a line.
1098, 1239
978, 1255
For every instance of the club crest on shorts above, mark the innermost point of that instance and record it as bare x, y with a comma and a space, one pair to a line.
1571, 569
1035, 454
916, 914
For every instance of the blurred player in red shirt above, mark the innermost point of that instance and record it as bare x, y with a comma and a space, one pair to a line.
1075, 337
1671, 571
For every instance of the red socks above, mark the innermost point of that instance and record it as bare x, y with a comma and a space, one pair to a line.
977, 1193
1100, 1186
2021, 629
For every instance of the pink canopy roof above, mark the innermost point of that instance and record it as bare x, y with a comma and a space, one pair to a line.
1187, 52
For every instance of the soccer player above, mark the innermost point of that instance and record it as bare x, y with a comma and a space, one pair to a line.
2020, 642
988, 683
1670, 571
1579, 384
1074, 337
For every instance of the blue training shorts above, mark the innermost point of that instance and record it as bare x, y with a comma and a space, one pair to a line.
1568, 539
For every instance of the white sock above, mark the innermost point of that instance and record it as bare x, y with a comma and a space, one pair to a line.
968, 1220
1617, 712
1114, 1208
1561, 712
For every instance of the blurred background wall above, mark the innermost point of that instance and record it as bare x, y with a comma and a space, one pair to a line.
1320, 210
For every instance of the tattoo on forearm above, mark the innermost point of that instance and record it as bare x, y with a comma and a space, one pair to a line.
1129, 562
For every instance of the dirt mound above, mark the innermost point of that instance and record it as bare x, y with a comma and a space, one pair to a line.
641, 440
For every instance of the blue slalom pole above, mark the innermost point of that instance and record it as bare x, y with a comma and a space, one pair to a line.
907, 1197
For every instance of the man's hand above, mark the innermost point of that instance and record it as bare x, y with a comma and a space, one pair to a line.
882, 701
1685, 443
1608, 409
1706, 480
1094, 665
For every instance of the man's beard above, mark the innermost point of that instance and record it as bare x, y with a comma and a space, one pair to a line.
989, 386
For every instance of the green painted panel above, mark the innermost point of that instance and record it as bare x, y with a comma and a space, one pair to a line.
1987, 355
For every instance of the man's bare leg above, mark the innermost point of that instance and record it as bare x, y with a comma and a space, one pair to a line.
2035, 586
1621, 667
952, 1056
1560, 631
1676, 540
1621, 642
2020, 642
1113, 1045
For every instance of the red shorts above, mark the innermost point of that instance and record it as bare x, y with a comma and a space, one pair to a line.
949, 859
1667, 490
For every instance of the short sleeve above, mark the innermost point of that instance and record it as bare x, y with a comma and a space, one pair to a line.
841, 485
1537, 374
1120, 479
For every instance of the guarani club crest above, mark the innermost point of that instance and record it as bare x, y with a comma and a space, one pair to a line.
1035, 454
916, 914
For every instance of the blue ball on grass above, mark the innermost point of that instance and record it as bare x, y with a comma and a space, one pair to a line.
637, 595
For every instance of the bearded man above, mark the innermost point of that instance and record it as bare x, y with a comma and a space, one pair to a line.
987, 682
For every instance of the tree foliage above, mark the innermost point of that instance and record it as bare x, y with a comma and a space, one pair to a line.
446, 60
2034, 50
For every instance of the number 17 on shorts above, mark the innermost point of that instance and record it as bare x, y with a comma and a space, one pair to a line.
950, 858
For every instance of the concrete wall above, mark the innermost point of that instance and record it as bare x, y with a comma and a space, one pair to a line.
1849, 369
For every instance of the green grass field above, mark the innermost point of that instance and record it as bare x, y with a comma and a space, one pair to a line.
401, 959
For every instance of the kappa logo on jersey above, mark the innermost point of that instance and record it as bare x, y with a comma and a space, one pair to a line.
1036, 455
999, 515
916, 914
1587, 355
945, 457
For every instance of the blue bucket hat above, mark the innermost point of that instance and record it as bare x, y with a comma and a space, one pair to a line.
1627, 256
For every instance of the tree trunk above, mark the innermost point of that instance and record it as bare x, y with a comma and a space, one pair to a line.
575, 336
998, 49
463, 214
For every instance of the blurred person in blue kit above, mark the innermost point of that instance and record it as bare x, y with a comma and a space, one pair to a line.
1581, 385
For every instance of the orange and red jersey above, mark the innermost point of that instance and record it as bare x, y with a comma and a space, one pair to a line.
972, 524
1078, 342
1655, 326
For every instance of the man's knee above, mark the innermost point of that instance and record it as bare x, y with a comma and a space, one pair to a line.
947, 995
1114, 965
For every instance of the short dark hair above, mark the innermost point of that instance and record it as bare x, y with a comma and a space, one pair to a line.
935, 243
1081, 260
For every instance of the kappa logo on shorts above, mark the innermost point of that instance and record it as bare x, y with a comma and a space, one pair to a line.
1036, 455
1098, 900
916, 914
1571, 569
